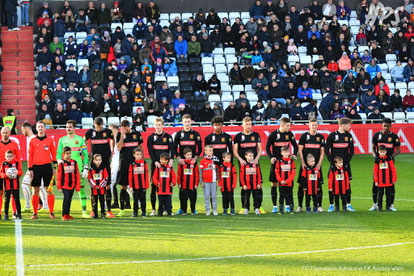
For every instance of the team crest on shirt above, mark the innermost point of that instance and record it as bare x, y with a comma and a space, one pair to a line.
76, 142
346, 139
164, 140
191, 136
46, 148
182, 134
287, 137
134, 136
253, 138
168, 169
104, 135
155, 137
389, 139
396, 140
317, 139
223, 139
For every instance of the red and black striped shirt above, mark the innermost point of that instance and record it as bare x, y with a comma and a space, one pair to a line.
385, 173
138, 175
313, 178
164, 178
98, 178
68, 176
285, 170
11, 184
227, 177
338, 181
250, 176
188, 175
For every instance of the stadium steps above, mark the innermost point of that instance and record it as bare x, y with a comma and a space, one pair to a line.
18, 78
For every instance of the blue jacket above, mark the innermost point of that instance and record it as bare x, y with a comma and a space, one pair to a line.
256, 10
76, 115
176, 102
181, 47
126, 48
408, 71
71, 48
327, 103
257, 59
59, 28
139, 31
366, 100
302, 93
71, 77
164, 93
372, 70
171, 67
44, 77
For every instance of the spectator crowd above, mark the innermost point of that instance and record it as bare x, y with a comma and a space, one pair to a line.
91, 64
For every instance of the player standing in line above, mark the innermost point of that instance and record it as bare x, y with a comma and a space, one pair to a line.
98, 179
27, 180
41, 164
251, 182
114, 166
338, 183
285, 175
279, 138
102, 143
79, 153
244, 141
139, 182
340, 143
219, 140
311, 142
157, 143
11, 183
227, 182
6, 144
392, 143
128, 140
187, 138
165, 179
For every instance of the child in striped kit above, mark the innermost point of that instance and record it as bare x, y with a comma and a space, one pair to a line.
227, 182
165, 179
98, 178
139, 182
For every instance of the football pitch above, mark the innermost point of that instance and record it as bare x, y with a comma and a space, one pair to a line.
326, 243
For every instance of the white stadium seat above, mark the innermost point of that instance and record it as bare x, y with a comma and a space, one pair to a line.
399, 117
113, 121
219, 59
214, 98
174, 15
410, 117
151, 120
222, 15
87, 123
164, 16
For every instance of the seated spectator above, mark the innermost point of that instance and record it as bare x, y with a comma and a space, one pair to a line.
361, 38
277, 93
231, 113
169, 115
106, 107
339, 87
181, 47
152, 11
247, 73
170, 67
327, 82
84, 76
396, 102
48, 101
404, 55
377, 53
177, 99
124, 106
256, 11
60, 116
336, 112
397, 72
159, 52
297, 112
44, 58
243, 111
206, 113
272, 113
194, 47
382, 86
151, 106
375, 117
88, 106
369, 101
344, 64
45, 115
116, 13
44, 77
351, 85
311, 110
383, 100
139, 29
259, 82
373, 68
218, 109
409, 71
304, 92
235, 75
366, 57
242, 97
214, 85
365, 87
75, 114
72, 77
258, 111
200, 87
354, 116
263, 94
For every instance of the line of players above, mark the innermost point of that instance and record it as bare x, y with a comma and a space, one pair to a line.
43, 158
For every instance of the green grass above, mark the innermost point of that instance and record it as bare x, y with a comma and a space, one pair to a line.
126, 239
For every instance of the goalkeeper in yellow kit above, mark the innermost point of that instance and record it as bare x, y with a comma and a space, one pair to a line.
79, 154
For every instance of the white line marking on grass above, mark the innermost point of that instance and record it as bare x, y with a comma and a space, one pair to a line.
227, 257
19, 248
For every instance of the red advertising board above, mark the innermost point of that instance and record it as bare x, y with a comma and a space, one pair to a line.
362, 135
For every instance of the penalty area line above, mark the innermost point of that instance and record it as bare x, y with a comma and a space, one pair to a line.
227, 257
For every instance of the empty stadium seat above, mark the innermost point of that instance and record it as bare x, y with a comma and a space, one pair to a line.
243, 15
113, 121
226, 88
387, 115
222, 15
87, 123
218, 51
229, 50
219, 59
410, 117
305, 59
160, 79
363, 117
151, 120
411, 85
128, 25
292, 60
164, 16
399, 117
224, 78
237, 88
81, 35
221, 68
164, 23
231, 60
185, 16
390, 57
68, 34
214, 98
207, 60
82, 63
391, 85
208, 68
226, 97
71, 61
174, 15
400, 85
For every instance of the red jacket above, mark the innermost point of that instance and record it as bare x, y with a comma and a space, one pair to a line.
333, 67
138, 177
68, 176
163, 178
98, 178
385, 173
208, 168
188, 175
378, 89
227, 177
250, 176
408, 101
338, 181
285, 170
11, 184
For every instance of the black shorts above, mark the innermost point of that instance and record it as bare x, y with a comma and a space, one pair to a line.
122, 177
107, 165
40, 172
272, 173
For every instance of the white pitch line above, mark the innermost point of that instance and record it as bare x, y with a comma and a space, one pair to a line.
226, 257
19, 248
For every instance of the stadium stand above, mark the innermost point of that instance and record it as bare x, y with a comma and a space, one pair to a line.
294, 62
